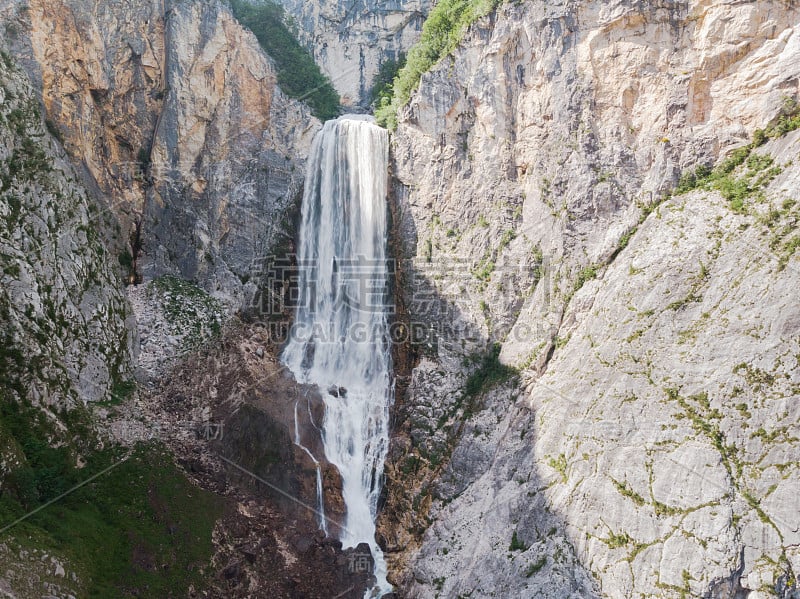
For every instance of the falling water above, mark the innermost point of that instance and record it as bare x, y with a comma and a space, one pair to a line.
323, 521
340, 336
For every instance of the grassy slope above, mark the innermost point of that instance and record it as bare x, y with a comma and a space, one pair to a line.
140, 529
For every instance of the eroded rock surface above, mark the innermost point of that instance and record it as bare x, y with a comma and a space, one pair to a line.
351, 39
62, 310
173, 113
647, 447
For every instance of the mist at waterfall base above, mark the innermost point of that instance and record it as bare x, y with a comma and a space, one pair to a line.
343, 283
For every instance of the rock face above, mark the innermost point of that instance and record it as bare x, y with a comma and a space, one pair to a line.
188, 161
173, 113
649, 444
245, 413
351, 39
62, 312
174, 318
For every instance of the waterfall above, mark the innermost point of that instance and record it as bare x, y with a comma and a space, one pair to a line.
323, 521
339, 340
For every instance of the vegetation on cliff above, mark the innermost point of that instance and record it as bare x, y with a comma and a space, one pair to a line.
78, 517
60, 312
760, 170
383, 85
137, 527
443, 30
298, 75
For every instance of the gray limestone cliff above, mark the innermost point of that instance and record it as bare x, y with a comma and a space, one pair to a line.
173, 114
65, 324
148, 140
606, 399
351, 39
637, 434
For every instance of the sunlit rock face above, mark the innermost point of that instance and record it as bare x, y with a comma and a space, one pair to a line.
173, 113
64, 322
649, 444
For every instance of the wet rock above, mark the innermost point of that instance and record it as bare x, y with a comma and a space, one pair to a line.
335, 391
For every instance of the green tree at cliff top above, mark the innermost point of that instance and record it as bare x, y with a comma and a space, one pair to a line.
298, 74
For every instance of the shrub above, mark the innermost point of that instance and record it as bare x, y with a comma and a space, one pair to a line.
516, 543
441, 33
383, 85
615, 541
560, 464
759, 137
735, 159
490, 373
120, 391
788, 121
735, 191
428, 251
585, 275
6, 58
143, 157
506, 239
536, 566
758, 162
722, 179
484, 270
125, 259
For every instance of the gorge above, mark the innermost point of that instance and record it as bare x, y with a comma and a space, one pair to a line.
536, 335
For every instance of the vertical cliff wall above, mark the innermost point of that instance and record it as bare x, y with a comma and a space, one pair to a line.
173, 113
646, 445
66, 336
351, 39
143, 139
62, 311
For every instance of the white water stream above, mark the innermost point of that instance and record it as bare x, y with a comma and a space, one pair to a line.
340, 337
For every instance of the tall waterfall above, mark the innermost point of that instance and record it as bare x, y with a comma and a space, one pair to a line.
340, 337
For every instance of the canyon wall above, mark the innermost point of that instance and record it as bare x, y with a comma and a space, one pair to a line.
634, 432
65, 324
350, 40
65, 328
172, 112
138, 140
605, 402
